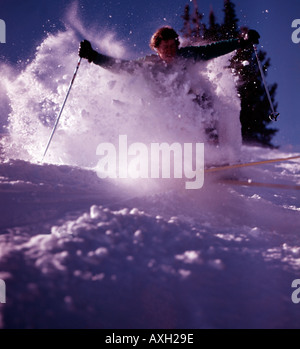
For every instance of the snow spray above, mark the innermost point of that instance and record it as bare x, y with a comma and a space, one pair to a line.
147, 106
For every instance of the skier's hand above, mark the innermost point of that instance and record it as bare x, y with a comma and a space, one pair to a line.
253, 37
86, 51
249, 38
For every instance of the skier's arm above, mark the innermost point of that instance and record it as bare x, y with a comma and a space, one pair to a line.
107, 62
210, 51
220, 48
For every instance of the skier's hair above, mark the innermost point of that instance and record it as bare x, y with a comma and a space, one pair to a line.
164, 33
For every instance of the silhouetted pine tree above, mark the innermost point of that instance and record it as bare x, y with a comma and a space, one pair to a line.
193, 28
255, 108
198, 27
186, 30
212, 32
229, 28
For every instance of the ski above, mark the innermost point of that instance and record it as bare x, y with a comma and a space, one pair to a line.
246, 164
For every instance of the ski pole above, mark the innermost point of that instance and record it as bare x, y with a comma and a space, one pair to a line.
274, 115
62, 108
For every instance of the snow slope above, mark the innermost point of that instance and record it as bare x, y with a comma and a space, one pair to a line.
77, 251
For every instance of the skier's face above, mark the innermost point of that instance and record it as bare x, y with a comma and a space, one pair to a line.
167, 50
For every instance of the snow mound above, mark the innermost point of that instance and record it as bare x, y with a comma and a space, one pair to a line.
222, 257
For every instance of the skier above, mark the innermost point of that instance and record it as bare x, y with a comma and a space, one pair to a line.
165, 42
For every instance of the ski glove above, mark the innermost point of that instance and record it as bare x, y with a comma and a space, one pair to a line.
249, 38
86, 51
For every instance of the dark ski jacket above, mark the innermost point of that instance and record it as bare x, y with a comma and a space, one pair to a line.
196, 53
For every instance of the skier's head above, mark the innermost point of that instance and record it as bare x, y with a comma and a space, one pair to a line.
165, 42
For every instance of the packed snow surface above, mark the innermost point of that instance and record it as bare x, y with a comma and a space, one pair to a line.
80, 252
77, 251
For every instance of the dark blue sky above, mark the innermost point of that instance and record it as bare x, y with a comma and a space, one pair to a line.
134, 21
